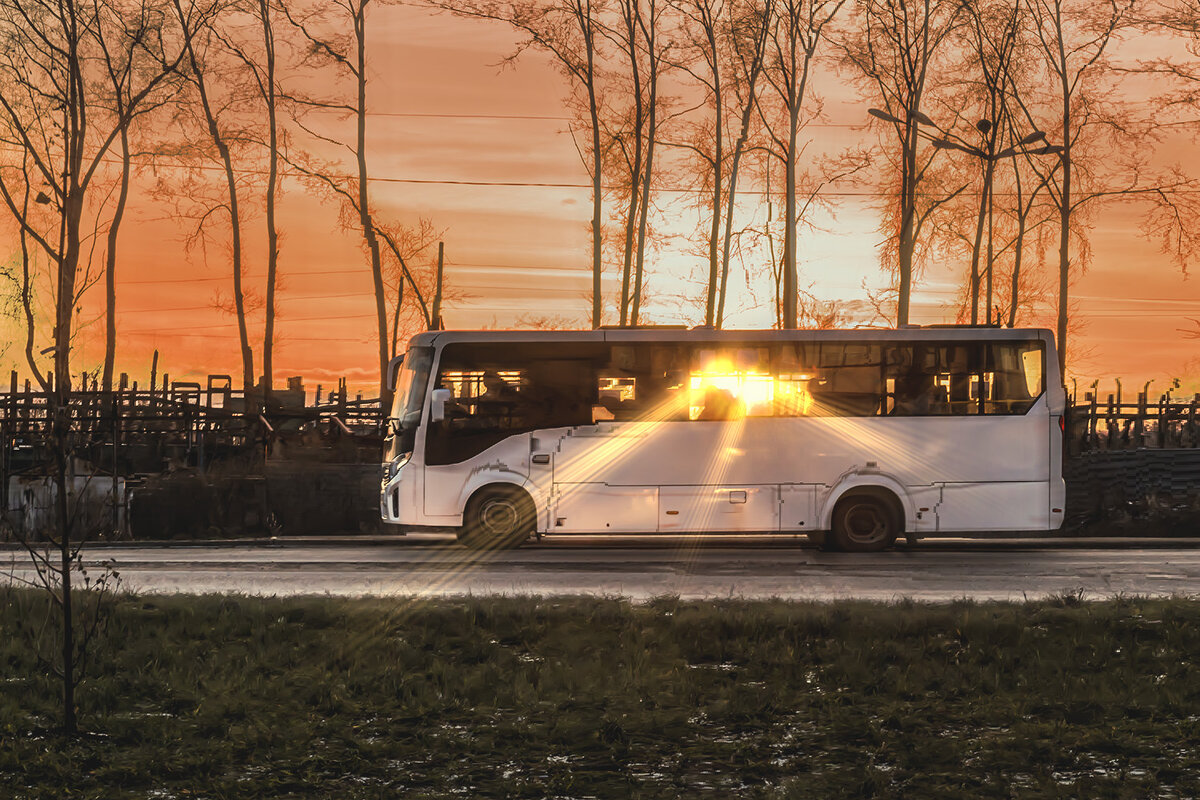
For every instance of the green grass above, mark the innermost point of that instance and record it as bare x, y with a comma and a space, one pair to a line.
241, 697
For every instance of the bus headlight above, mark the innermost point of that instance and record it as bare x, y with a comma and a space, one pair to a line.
392, 468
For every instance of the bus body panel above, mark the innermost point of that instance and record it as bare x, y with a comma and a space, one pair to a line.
449, 486
969, 507
772, 450
1058, 485
718, 508
600, 508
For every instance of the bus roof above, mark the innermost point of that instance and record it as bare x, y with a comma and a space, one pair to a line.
933, 333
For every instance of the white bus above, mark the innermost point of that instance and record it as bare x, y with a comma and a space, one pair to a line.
852, 437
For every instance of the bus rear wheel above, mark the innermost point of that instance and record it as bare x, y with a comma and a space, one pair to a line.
497, 519
864, 524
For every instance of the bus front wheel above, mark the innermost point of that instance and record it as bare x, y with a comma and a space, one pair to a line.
864, 524
497, 519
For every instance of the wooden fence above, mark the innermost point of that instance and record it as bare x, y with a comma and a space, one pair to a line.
177, 427
1113, 424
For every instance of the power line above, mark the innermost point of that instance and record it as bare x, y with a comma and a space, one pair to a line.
351, 271
230, 277
434, 115
232, 324
437, 115
1134, 194
280, 339
285, 297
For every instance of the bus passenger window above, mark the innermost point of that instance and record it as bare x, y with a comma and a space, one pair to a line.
730, 383
919, 379
850, 382
1015, 370
720, 404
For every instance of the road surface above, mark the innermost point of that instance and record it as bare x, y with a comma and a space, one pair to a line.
646, 567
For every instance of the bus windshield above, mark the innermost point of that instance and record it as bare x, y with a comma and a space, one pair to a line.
409, 400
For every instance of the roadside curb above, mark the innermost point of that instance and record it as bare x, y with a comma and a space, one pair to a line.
272, 541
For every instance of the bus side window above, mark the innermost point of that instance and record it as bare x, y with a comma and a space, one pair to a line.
915, 387
1016, 369
561, 393
616, 398
851, 382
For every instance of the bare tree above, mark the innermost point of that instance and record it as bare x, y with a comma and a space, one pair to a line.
223, 116
133, 54
983, 95
723, 50
58, 124
413, 264
1074, 38
252, 41
991, 41
700, 56
1171, 223
328, 45
798, 28
892, 49
647, 26
569, 31
1104, 141
265, 77
749, 31
631, 132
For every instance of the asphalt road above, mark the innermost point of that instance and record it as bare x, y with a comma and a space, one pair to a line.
645, 567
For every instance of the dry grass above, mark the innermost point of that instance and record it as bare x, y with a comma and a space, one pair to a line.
239, 697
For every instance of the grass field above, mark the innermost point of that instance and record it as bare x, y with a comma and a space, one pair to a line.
327, 698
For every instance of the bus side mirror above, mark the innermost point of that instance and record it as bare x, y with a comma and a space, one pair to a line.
437, 405
393, 369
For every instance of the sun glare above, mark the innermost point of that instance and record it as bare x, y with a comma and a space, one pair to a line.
722, 391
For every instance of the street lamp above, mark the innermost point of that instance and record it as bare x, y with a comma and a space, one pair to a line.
879, 113
989, 156
912, 125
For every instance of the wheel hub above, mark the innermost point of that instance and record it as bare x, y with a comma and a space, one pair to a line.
864, 524
499, 517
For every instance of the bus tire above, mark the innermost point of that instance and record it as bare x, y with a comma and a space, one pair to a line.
864, 523
497, 519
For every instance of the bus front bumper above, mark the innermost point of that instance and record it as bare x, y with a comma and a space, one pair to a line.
397, 495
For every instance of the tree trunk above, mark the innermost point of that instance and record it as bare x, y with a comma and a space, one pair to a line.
272, 178
644, 211
738, 148
110, 280
907, 222
364, 205
1064, 231
235, 217
714, 234
976, 249
597, 184
1064, 243
61, 416
635, 173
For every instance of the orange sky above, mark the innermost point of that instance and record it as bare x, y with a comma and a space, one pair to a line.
444, 112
